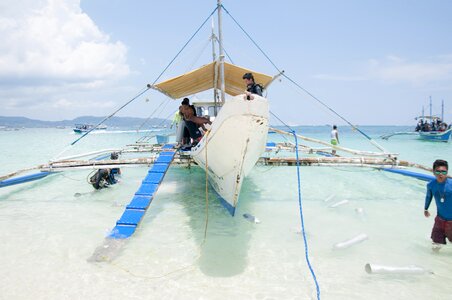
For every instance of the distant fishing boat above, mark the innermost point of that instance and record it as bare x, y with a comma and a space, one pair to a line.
429, 128
82, 128
433, 128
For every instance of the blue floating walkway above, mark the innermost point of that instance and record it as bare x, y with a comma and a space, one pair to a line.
135, 210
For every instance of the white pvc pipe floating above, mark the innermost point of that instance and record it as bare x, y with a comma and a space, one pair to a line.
350, 242
338, 203
329, 198
378, 269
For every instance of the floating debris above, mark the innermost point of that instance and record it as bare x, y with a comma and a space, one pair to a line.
353, 241
378, 269
251, 218
338, 203
330, 197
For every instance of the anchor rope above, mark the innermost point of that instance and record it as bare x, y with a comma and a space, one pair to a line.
306, 250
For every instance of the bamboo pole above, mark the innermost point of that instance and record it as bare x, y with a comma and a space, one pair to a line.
368, 153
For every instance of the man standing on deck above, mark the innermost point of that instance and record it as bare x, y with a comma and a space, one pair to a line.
251, 86
441, 189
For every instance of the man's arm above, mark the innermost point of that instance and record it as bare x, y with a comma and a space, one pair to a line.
428, 200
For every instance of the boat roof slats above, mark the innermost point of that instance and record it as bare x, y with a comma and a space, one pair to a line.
131, 217
203, 79
153, 177
140, 202
122, 231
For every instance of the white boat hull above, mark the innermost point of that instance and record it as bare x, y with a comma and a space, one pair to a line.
236, 140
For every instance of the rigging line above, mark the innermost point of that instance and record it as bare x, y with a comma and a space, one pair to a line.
167, 117
246, 33
189, 40
227, 54
199, 55
302, 219
290, 129
337, 114
150, 116
306, 91
111, 115
148, 86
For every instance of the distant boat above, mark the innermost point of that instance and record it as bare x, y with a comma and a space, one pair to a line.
429, 128
437, 136
81, 128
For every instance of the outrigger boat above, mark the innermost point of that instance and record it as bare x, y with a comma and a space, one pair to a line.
231, 147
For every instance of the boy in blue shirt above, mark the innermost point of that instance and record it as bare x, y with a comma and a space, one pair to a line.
441, 189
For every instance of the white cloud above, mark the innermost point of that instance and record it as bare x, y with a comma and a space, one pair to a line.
54, 42
339, 77
395, 69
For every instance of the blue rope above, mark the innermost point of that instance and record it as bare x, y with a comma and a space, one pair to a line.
302, 219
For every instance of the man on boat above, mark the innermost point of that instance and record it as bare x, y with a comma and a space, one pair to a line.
251, 86
441, 189
193, 122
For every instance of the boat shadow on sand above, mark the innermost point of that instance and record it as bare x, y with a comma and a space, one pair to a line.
224, 252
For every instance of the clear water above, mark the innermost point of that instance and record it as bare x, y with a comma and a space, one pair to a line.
48, 234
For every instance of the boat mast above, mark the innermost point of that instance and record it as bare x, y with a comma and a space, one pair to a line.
214, 57
431, 106
442, 110
220, 42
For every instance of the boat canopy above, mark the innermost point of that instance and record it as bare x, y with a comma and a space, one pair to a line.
427, 117
203, 79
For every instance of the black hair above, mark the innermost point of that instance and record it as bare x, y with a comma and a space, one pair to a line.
186, 101
248, 76
440, 163
334, 127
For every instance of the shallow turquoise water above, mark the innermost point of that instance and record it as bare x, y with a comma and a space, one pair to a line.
48, 234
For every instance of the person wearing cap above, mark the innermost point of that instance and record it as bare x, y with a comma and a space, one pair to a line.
440, 188
251, 86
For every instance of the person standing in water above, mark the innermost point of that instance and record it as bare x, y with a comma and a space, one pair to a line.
334, 138
441, 189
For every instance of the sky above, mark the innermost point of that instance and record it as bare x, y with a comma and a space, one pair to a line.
374, 62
